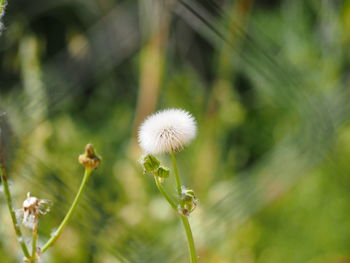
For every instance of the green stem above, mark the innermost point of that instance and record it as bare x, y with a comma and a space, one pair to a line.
12, 212
190, 241
176, 172
34, 239
184, 219
70, 212
165, 194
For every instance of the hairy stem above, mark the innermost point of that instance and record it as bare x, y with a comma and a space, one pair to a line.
12, 212
68, 216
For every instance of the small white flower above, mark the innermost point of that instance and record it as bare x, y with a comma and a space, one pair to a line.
32, 208
167, 131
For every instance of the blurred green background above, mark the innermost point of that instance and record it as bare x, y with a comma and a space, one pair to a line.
268, 83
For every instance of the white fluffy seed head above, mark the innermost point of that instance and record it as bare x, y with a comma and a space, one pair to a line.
32, 208
167, 131
30, 201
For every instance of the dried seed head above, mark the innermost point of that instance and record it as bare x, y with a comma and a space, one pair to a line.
89, 159
33, 208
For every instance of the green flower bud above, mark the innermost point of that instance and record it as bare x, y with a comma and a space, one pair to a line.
150, 163
188, 200
162, 172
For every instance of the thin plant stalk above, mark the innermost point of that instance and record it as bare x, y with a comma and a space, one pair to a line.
190, 241
176, 172
165, 194
12, 212
68, 216
34, 239
184, 218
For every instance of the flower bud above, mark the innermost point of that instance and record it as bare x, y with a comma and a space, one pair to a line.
89, 159
162, 172
150, 163
188, 200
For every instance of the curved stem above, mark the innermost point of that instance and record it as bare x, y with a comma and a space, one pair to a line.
165, 194
184, 219
34, 239
176, 172
12, 212
70, 212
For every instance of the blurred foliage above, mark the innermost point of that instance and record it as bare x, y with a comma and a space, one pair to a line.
267, 82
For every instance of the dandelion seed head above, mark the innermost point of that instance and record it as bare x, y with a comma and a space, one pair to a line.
30, 201
167, 131
29, 220
32, 208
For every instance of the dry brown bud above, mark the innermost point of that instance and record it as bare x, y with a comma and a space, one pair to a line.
89, 159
